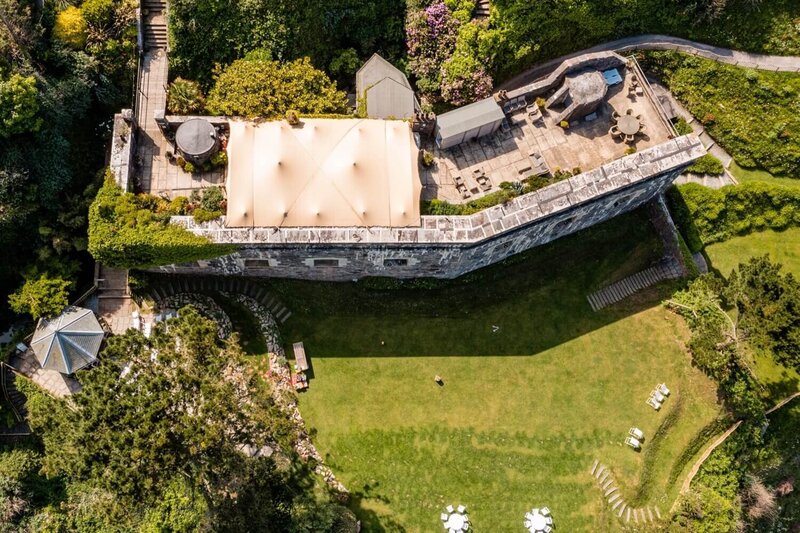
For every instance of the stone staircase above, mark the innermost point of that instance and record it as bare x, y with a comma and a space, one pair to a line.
482, 9
625, 287
615, 500
17, 401
166, 286
154, 27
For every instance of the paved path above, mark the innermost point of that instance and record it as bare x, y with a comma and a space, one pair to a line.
605, 480
52, 381
664, 42
114, 304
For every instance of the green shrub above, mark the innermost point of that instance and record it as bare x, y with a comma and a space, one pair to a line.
443, 207
630, 150
189, 167
185, 97
213, 197
178, 205
204, 215
42, 297
18, 105
99, 14
130, 231
220, 159
708, 164
259, 87
427, 158
683, 127
705, 215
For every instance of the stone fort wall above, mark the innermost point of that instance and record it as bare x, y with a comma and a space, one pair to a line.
447, 247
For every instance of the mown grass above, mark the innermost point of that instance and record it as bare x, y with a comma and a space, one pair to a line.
524, 410
744, 175
781, 246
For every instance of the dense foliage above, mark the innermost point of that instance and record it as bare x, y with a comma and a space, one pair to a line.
185, 97
707, 164
42, 297
133, 231
55, 100
204, 33
257, 86
707, 215
754, 115
153, 443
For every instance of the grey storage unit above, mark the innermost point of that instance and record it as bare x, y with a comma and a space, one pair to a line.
469, 122
385, 90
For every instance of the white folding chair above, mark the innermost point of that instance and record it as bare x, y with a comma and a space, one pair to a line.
545, 511
461, 509
449, 508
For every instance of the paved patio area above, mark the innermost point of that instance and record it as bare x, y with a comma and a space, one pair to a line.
157, 175
504, 155
52, 381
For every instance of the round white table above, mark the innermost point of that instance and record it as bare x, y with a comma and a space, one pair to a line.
538, 522
455, 521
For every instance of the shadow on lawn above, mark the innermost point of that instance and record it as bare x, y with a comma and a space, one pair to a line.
529, 303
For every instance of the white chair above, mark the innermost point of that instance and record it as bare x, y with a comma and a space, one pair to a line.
548, 529
655, 404
658, 396
444, 517
662, 388
636, 433
633, 443
549, 520
449, 508
461, 509
545, 511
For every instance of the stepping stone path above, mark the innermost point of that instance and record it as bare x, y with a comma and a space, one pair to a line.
604, 479
164, 287
626, 287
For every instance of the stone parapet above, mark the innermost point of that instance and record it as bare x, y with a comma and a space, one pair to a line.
616, 177
123, 148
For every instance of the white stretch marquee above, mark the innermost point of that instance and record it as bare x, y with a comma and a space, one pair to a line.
326, 172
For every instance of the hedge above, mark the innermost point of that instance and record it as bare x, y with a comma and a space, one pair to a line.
133, 231
705, 216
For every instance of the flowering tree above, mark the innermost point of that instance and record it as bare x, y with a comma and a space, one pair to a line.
445, 55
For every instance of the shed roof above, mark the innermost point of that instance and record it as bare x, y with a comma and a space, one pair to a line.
68, 342
386, 89
469, 117
376, 69
326, 172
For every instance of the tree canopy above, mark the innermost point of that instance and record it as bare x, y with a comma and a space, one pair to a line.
257, 86
155, 439
42, 297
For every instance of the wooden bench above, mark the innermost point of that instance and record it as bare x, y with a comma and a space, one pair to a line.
300, 356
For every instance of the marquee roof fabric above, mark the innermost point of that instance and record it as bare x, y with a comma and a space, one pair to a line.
68, 342
325, 172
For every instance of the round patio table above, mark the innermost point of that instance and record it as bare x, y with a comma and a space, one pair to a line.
538, 522
455, 522
628, 124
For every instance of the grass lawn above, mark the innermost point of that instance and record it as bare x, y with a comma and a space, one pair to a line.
743, 175
782, 246
524, 410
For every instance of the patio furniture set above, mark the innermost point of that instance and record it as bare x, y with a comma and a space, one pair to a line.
483, 181
299, 378
635, 88
455, 520
657, 396
635, 438
627, 126
539, 521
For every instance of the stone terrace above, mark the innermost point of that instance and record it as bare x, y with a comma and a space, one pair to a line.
502, 155
622, 173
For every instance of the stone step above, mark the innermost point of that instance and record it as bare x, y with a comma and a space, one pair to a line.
286, 317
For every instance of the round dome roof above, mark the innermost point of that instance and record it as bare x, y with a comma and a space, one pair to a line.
196, 137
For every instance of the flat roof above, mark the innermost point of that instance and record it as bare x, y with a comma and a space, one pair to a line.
324, 172
469, 117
